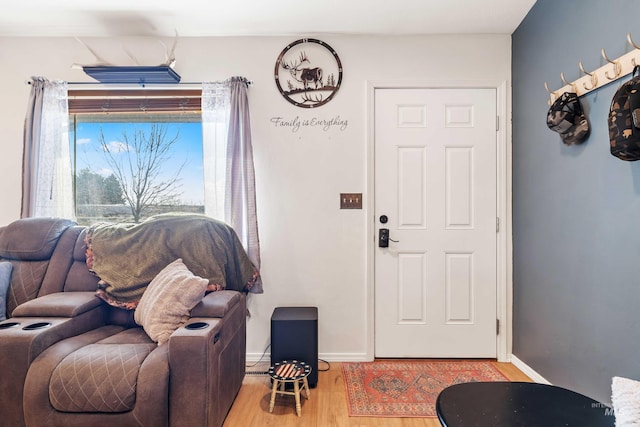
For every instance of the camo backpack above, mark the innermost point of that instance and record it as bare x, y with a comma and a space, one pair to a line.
624, 120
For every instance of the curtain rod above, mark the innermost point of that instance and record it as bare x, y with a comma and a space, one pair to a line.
156, 85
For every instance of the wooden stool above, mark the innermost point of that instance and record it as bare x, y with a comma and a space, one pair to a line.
289, 372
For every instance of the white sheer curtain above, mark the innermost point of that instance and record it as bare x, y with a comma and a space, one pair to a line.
47, 174
228, 162
215, 120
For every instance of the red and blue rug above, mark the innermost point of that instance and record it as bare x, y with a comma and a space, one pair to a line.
408, 388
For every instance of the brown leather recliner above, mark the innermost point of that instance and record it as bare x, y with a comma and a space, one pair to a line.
70, 359
41, 252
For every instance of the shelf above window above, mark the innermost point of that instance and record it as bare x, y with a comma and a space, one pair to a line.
141, 75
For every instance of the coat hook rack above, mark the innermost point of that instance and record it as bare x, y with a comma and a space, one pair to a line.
592, 80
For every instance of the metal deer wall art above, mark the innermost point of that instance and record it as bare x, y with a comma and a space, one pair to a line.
312, 67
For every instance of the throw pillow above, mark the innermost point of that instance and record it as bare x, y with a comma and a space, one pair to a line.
625, 398
5, 279
166, 302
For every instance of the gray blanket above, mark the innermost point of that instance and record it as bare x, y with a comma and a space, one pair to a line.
128, 256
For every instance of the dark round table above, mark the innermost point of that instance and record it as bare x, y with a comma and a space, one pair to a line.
519, 404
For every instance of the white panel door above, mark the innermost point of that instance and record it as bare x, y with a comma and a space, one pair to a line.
435, 181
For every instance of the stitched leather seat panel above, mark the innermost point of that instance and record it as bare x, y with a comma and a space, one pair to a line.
98, 378
26, 280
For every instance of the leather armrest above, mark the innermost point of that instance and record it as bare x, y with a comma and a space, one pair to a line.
216, 304
59, 304
206, 329
208, 354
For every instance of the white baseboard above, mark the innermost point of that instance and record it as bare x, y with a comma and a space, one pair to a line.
255, 357
329, 357
528, 370
345, 357
362, 357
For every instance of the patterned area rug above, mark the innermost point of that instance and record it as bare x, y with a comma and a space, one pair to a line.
407, 388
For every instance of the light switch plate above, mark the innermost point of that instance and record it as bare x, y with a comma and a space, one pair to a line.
350, 200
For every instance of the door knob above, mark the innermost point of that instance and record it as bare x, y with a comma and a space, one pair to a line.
383, 238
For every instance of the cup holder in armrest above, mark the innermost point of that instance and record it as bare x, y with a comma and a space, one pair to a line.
34, 326
197, 325
8, 325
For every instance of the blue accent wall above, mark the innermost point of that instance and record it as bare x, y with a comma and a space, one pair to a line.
576, 209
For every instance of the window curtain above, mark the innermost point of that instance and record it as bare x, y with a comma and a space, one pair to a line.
47, 183
215, 118
228, 158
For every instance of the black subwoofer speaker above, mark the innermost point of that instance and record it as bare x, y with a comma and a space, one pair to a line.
294, 336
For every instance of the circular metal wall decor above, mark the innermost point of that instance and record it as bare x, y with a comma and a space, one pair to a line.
308, 73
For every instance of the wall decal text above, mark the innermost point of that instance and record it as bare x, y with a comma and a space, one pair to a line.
295, 123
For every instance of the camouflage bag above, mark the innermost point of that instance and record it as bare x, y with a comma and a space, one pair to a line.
624, 120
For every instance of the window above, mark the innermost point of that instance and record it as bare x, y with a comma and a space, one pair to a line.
135, 154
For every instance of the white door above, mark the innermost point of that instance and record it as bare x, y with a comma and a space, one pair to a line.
435, 181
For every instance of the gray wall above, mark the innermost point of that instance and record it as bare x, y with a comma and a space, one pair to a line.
576, 209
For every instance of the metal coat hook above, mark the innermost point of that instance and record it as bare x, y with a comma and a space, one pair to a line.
573, 85
635, 46
552, 93
630, 40
617, 69
594, 78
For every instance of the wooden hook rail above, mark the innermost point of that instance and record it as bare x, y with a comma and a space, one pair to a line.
592, 80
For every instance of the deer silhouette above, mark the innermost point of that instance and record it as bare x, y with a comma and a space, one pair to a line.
306, 76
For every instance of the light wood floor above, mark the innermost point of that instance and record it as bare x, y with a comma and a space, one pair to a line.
326, 408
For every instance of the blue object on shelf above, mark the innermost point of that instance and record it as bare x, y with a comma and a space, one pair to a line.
141, 75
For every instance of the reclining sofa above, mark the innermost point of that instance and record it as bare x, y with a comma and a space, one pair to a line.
70, 359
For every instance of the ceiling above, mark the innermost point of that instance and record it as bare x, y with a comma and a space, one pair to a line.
197, 18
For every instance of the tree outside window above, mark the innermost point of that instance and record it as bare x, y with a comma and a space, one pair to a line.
129, 167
